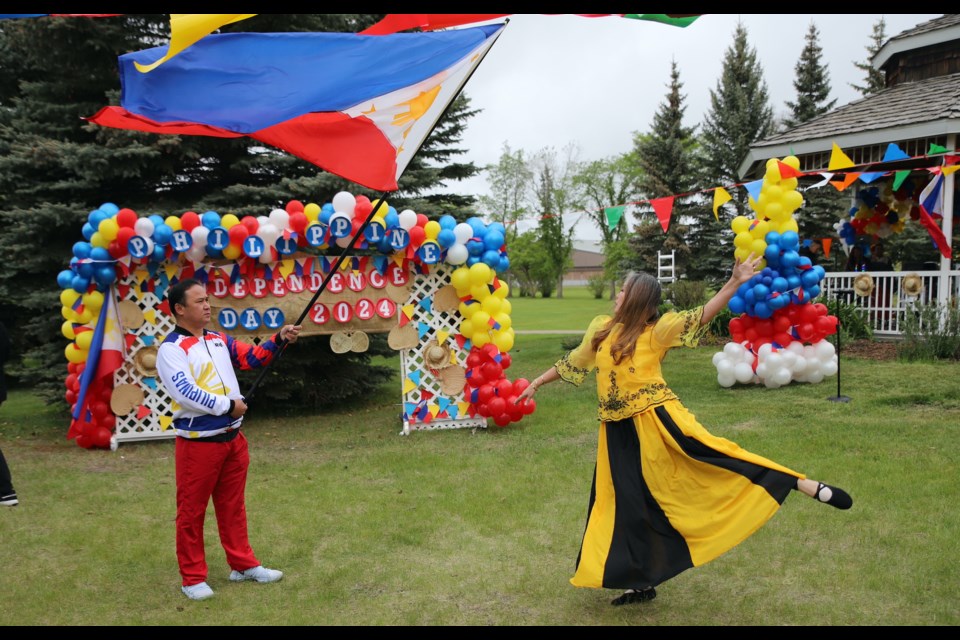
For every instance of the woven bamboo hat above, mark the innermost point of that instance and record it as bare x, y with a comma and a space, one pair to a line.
863, 285
125, 398
131, 317
452, 380
436, 355
401, 338
145, 361
446, 299
911, 285
340, 342
359, 341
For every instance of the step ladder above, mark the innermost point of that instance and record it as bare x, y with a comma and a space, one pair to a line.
665, 267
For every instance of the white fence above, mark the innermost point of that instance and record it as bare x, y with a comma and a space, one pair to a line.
885, 307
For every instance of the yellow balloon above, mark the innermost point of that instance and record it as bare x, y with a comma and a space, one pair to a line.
503, 320
491, 304
502, 290
312, 211
67, 330
740, 223
480, 273
68, 314
74, 354
789, 225
480, 292
93, 300
97, 240
773, 173
174, 222
760, 229
789, 183
232, 252
480, 338
775, 211
466, 328
84, 339
460, 279
229, 221
792, 161
467, 310
85, 317
108, 229
792, 201
741, 254
774, 193
480, 321
758, 247
431, 229
68, 297
742, 240
505, 306
504, 341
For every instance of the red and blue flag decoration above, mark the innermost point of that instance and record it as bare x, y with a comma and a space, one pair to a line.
394, 22
931, 204
357, 106
105, 356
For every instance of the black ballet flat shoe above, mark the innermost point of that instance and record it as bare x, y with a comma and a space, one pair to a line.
631, 596
833, 496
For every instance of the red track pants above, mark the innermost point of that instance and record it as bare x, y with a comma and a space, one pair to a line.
218, 470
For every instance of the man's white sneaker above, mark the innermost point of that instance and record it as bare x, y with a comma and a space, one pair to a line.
259, 573
200, 591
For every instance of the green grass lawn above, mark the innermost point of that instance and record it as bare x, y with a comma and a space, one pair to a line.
482, 527
573, 311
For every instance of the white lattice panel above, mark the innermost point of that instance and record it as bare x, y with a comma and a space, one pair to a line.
154, 329
424, 287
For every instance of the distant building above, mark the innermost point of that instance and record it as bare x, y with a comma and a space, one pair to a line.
587, 263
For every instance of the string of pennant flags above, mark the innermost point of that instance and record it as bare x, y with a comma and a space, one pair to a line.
840, 174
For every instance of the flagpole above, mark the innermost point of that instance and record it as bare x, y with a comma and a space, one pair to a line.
281, 342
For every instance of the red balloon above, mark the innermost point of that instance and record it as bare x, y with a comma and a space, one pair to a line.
294, 206
782, 338
99, 410
496, 406
484, 393
189, 221
238, 233
491, 371
298, 221
514, 410
529, 406
101, 438
502, 419
126, 218
123, 238
505, 360
251, 223
519, 385
491, 350
71, 397
364, 207
503, 387
417, 236
422, 220
474, 359
72, 381
475, 379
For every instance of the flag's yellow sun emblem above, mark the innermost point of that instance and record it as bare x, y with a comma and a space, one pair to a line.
416, 107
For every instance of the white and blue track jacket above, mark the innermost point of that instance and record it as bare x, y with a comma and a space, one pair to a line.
198, 373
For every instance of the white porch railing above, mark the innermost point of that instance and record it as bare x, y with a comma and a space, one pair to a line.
884, 309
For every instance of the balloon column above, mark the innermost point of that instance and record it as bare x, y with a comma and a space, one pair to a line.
487, 325
119, 240
779, 335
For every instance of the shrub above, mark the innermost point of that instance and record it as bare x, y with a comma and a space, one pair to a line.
597, 286
853, 322
687, 294
930, 332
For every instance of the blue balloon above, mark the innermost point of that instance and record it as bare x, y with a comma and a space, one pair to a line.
772, 237
324, 217
762, 310
504, 264
790, 259
814, 291
65, 279
162, 234
82, 250
475, 248
472, 260
110, 209
493, 239
491, 258
210, 219
327, 208
157, 220
779, 284
391, 220
793, 281
497, 226
160, 253
385, 246
447, 222
760, 292
105, 275
479, 227
750, 297
99, 254
790, 240
736, 305
81, 283
447, 238
809, 278
96, 217
88, 230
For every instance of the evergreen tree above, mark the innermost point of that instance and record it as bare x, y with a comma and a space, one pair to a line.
873, 80
55, 169
812, 83
822, 207
669, 163
740, 114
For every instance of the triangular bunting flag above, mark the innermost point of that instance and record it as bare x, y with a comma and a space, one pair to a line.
826, 243
422, 329
838, 159
425, 304
898, 179
442, 336
286, 267
867, 178
453, 411
894, 152
408, 310
166, 422
613, 216
720, 197
461, 340
948, 170
151, 316
935, 149
443, 403
150, 382
826, 179
147, 339
786, 171
433, 409
753, 188
848, 179
663, 207
142, 412
408, 385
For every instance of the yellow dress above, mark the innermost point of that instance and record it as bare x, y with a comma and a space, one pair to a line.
667, 495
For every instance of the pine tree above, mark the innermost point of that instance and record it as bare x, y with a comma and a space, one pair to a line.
740, 114
55, 169
822, 207
873, 80
812, 82
668, 162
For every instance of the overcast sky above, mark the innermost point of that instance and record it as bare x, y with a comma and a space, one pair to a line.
554, 79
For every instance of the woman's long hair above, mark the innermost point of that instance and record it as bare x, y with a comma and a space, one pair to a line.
638, 310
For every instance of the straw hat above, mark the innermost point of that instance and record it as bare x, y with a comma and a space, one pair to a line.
436, 355
131, 317
340, 342
446, 299
145, 361
404, 337
359, 341
398, 294
125, 398
452, 380
863, 285
911, 285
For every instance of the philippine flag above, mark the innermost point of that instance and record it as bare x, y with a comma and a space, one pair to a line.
105, 357
357, 106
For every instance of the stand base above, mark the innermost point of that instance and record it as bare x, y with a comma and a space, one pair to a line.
839, 398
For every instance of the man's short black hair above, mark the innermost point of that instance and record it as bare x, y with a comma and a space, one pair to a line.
178, 292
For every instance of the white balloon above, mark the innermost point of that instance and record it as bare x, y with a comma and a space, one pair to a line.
346, 202
815, 377
262, 220
726, 380
743, 372
267, 256
783, 376
829, 367
408, 219
762, 371
774, 360
199, 235
764, 350
143, 227
268, 233
718, 356
196, 253
725, 367
825, 350
280, 218
463, 232
457, 254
